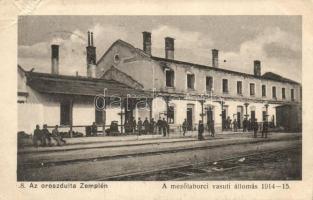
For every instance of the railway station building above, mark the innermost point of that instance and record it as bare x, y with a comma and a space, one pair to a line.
134, 83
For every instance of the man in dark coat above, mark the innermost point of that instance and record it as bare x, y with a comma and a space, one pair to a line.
159, 125
46, 135
134, 125
255, 127
152, 126
244, 124
37, 136
164, 127
265, 129
57, 137
235, 125
200, 130
94, 129
184, 126
139, 126
146, 125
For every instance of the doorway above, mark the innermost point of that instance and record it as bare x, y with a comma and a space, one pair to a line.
209, 115
189, 118
239, 115
252, 115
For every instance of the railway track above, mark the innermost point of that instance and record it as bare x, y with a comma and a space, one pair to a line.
39, 164
204, 168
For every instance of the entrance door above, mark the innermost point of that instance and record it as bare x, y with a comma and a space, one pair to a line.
189, 119
252, 115
209, 114
239, 116
239, 119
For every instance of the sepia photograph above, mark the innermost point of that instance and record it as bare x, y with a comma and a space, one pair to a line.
159, 98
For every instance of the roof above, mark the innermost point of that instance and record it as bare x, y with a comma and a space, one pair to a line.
159, 59
266, 76
276, 77
139, 51
72, 85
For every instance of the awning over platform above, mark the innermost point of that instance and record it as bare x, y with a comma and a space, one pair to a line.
72, 85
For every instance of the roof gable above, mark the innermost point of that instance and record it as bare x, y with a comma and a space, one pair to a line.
114, 74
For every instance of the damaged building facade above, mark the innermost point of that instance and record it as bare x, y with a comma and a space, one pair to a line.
151, 87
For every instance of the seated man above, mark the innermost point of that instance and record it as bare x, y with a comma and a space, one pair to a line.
45, 135
94, 129
37, 136
56, 136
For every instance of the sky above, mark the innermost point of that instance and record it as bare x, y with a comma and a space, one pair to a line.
274, 40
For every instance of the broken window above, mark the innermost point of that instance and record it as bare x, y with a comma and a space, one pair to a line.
239, 87
263, 91
225, 85
252, 89
190, 81
209, 83
169, 78
274, 92
283, 94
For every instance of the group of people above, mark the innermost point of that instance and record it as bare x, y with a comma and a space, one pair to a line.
43, 136
210, 128
147, 127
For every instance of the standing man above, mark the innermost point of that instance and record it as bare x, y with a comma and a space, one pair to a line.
94, 129
164, 127
255, 127
264, 129
134, 125
212, 128
200, 130
184, 126
160, 125
152, 126
235, 123
244, 124
37, 136
146, 126
56, 136
46, 135
228, 122
139, 126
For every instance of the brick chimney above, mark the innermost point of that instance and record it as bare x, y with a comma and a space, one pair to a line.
169, 48
214, 58
91, 57
147, 42
55, 59
257, 68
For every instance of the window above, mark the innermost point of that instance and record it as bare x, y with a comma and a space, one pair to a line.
263, 91
239, 87
169, 78
292, 95
190, 81
252, 89
66, 113
225, 85
170, 114
209, 83
283, 94
274, 92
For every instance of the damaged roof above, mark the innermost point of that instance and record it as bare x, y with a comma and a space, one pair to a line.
75, 85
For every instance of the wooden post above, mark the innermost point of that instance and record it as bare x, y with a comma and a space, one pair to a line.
71, 118
150, 107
